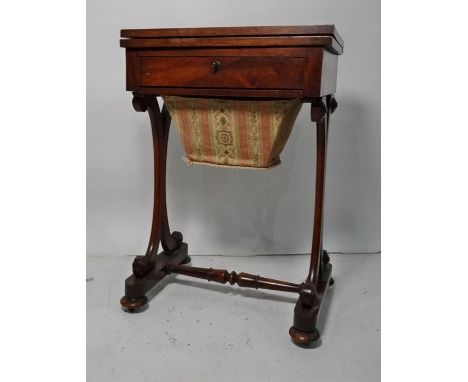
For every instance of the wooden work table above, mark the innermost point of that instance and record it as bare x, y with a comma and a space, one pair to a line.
244, 63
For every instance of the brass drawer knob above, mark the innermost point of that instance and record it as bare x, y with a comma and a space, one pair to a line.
215, 65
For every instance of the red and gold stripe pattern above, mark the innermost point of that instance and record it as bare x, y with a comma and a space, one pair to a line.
233, 132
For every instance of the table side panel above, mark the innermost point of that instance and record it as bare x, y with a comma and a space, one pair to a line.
132, 71
244, 72
329, 73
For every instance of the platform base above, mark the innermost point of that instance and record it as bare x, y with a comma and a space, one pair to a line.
136, 287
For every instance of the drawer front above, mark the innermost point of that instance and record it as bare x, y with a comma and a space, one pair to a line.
223, 72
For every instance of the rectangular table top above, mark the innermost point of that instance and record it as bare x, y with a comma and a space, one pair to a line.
256, 36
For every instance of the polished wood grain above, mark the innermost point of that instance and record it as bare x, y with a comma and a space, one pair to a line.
304, 30
230, 72
290, 52
238, 63
318, 45
242, 279
312, 71
326, 42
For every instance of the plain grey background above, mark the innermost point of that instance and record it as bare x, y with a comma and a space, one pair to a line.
234, 212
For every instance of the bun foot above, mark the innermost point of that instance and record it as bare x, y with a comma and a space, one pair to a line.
304, 339
133, 304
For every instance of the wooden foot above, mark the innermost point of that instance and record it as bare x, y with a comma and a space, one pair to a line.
304, 331
304, 339
133, 304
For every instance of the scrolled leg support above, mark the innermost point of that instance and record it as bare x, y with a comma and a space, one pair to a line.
147, 269
304, 331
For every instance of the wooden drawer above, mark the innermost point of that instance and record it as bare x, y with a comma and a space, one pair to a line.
223, 72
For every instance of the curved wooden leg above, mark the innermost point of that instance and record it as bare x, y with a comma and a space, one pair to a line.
169, 241
304, 330
147, 269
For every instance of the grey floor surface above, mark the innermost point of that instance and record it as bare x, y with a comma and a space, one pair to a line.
200, 331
